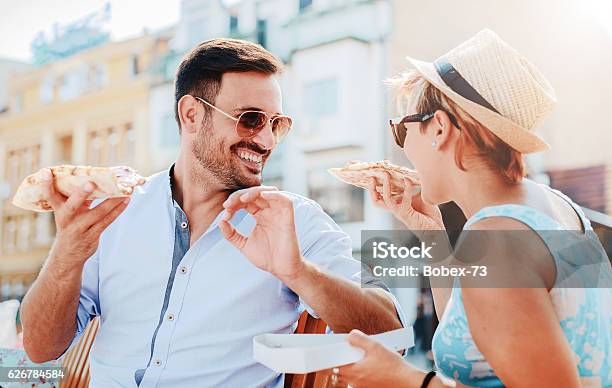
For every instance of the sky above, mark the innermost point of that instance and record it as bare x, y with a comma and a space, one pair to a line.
21, 20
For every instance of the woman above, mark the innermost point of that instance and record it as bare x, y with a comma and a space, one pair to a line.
470, 117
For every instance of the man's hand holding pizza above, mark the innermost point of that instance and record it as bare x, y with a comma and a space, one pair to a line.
78, 227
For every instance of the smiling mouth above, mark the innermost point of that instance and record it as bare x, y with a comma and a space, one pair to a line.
252, 160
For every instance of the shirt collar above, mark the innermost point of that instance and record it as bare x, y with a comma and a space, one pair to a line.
237, 218
170, 185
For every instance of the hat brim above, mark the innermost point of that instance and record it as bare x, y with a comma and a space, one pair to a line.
517, 137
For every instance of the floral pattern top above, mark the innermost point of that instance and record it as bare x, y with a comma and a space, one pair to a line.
584, 313
17, 358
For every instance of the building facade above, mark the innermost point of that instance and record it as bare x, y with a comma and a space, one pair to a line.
90, 108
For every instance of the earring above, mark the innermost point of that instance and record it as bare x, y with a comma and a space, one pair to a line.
434, 144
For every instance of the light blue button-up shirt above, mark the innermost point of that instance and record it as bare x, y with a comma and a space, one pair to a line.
178, 316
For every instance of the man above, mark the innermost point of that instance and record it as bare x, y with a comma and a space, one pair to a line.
179, 287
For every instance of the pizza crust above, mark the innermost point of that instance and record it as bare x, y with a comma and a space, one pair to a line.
360, 174
109, 181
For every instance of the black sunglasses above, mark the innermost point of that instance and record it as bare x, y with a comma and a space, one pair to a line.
399, 129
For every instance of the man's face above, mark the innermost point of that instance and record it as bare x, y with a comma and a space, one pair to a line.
237, 162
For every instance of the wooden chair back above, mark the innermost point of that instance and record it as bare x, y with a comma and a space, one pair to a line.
76, 361
309, 325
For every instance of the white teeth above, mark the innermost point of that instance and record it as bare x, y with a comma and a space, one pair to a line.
249, 156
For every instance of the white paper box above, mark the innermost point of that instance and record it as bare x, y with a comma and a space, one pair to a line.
305, 353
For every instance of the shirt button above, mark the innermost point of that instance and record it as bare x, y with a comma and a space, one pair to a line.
158, 362
171, 317
183, 270
184, 224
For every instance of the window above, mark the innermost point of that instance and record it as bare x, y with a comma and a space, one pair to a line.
64, 147
21, 162
24, 235
262, 27
13, 286
73, 84
19, 289
233, 24
19, 233
113, 146
7, 291
99, 76
11, 167
321, 98
320, 101
35, 158
18, 103
27, 160
134, 66
170, 67
344, 203
129, 142
47, 89
42, 228
94, 153
10, 234
304, 4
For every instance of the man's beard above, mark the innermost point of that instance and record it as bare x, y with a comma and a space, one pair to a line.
210, 151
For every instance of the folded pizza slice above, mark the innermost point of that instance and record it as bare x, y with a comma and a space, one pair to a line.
109, 181
360, 174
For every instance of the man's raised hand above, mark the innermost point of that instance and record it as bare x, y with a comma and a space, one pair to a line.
79, 227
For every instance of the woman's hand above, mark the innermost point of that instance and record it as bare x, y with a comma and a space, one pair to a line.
379, 367
410, 209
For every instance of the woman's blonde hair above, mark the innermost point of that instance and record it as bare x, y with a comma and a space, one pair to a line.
413, 89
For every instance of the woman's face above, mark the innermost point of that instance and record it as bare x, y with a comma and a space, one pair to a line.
428, 160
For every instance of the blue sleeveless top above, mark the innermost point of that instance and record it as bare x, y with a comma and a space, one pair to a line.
585, 314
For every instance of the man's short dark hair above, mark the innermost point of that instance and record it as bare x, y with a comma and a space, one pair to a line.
201, 70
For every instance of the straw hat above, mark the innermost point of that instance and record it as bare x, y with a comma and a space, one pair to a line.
496, 85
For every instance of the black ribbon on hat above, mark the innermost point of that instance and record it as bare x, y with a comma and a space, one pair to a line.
459, 85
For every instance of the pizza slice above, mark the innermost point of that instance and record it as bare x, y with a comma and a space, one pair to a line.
360, 173
110, 182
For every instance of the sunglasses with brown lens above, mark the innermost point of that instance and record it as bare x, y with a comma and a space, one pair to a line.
398, 125
249, 123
